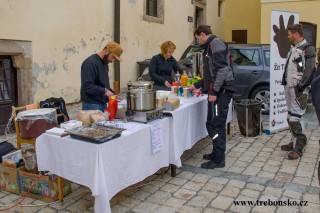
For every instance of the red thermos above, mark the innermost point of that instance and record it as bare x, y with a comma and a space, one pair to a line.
112, 107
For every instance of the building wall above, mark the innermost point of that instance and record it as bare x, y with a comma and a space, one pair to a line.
243, 15
216, 22
62, 34
142, 39
52, 38
308, 10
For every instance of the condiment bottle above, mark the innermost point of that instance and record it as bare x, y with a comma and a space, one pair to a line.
174, 87
112, 107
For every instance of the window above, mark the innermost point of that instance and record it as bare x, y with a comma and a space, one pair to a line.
310, 32
266, 54
151, 8
245, 57
219, 8
239, 36
153, 11
6, 80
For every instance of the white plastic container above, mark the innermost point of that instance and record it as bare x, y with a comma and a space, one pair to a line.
71, 124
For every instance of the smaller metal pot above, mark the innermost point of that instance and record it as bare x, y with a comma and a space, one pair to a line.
140, 85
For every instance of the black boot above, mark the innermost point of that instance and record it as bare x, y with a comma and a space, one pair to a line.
212, 165
287, 147
207, 157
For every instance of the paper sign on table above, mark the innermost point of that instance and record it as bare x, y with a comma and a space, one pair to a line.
156, 137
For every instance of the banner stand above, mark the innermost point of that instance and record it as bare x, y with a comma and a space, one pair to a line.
279, 48
268, 132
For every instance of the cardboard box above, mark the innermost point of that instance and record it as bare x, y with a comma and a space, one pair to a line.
13, 158
46, 189
171, 104
9, 179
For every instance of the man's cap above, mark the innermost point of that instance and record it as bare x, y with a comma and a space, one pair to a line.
115, 49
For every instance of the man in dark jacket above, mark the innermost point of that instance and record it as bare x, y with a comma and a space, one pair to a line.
218, 83
315, 88
95, 87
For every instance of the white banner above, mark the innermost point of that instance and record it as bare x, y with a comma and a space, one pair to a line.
279, 48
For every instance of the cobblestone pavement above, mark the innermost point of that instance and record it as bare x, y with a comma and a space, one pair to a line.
256, 170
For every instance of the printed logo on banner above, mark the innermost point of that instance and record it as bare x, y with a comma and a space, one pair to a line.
274, 122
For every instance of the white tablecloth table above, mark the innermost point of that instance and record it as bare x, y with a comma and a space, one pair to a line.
187, 126
105, 168
112, 166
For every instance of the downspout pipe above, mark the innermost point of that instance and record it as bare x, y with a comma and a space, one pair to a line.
117, 39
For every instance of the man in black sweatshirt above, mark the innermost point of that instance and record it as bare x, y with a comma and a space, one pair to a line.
218, 83
95, 87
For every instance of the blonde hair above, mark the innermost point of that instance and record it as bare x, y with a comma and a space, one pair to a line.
167, 45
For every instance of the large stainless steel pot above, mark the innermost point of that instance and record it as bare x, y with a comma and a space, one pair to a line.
139, 100
141, 85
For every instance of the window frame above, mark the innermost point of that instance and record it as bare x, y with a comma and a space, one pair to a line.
160, 12
265, 52
244, 53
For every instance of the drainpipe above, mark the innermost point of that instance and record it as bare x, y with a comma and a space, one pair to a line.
117, 39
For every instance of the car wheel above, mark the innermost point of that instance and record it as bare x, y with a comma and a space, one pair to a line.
262, 94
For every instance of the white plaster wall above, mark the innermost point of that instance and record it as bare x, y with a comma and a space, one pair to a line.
63, 33
141, 39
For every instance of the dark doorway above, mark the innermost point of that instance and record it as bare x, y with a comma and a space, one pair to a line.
239, 36
199, 17
310, 32
8, 91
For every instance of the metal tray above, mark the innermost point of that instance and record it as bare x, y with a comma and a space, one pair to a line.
95, 134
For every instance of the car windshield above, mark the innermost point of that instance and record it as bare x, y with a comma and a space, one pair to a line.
194, 50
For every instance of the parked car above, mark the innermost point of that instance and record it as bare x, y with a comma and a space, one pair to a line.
251, 66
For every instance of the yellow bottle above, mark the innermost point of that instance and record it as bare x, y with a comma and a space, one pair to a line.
184, 79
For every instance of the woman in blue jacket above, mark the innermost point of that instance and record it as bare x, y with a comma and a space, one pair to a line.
162, 65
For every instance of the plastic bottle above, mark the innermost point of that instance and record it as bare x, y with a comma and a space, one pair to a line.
177, 77
112, 107
184, 78
189, 80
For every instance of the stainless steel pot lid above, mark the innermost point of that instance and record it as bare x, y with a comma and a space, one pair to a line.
140, 84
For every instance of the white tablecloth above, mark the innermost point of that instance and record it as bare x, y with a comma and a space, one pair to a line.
112, 166
187, 126
105, 168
